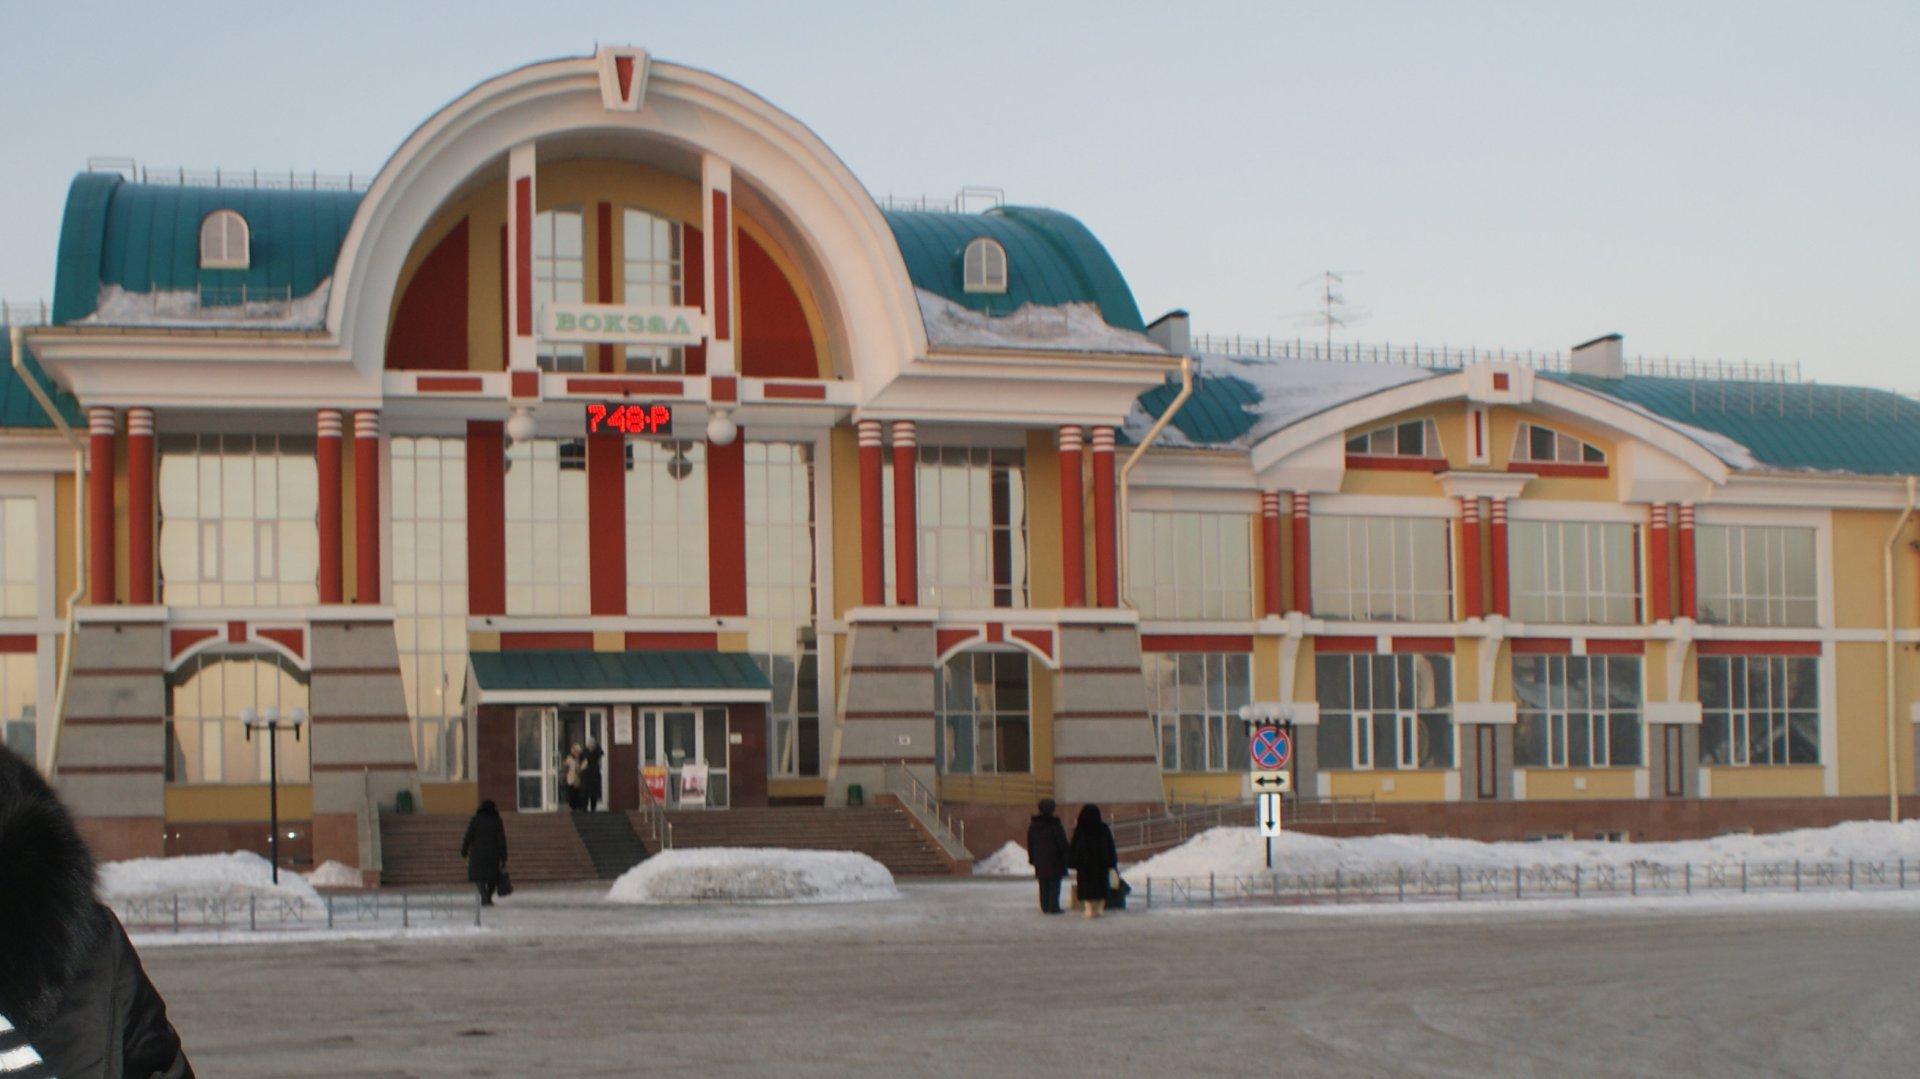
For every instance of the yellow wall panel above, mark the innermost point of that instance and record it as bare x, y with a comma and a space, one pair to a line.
1204, 788
1791, 781
449, 797
1044, 568
1566, 784
843, 451
1407, 786
237, 802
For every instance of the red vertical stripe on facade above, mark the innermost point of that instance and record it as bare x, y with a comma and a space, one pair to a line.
1659, 565
429, 331
1472, 598
906, 528
607, 523
523, 256
623, 72
1272, 574
873, 573
775, 341
366, 506
326, 457
1298, 508
101, 425
505, 307
1689, 569
693, 292
727, 527
722, 267
604, 268
1073, 525
486, 518
1106, 572
140, 506
1502, 604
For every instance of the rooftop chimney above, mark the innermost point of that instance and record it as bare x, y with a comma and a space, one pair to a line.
1172, 331
1600, 358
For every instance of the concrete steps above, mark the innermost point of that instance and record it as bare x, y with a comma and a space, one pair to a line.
885, 834
423, 850
610, 841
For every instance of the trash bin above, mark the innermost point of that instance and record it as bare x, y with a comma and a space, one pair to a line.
856, 795
403, 802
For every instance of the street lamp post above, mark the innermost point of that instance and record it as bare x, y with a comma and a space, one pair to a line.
270, 721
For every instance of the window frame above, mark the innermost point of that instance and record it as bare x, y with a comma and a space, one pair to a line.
1774, 599
1781, 722
283, 547
1212, 701
1003, 550
1537, 599
1556, 716
1191, 565
639, 273
1355, 552
782, 517
431, 632
226, 220
545, 263
1413, 725
983, 267
1586, 455
983, 724
1433, 451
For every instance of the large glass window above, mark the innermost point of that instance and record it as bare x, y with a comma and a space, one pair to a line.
1757, 575
20, 703
985, 714
1411, 438
206, 740
1393, 569
1535, 444
1191, 565
237, 521
1385, 712
546, 494
19, 558
1760, 710
430, 596
1577, 711
1574, 571
1196, 699
781, 593
972, 515
559, 276
666, 527
650, 275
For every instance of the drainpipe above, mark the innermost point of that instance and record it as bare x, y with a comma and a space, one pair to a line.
1186, 391
1893, 709
18, 336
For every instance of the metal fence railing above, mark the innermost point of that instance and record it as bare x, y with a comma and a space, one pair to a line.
1447, 357
1403, 884
402, 910
1179, 823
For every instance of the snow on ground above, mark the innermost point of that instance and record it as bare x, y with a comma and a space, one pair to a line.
1073, 327
1008, 861
182, 308
746, 875
235, 875
1232, 851
331, 874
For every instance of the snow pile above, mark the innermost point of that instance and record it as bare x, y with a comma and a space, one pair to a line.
235, 875
1241, 851
333, 874
1072, 327
744, 875
179, 308
1008, 861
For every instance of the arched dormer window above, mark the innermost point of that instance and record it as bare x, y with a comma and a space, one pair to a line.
224, 241
1415, 439
1537, 444
985, 266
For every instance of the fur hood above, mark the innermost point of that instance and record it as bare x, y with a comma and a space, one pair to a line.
49, 919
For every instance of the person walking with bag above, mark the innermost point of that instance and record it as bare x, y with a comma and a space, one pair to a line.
1095, 861
1047, 854
485, 849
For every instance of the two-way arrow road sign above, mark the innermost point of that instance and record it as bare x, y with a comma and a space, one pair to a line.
1277, 782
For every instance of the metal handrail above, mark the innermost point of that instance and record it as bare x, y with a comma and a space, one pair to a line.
655, 815
924, 804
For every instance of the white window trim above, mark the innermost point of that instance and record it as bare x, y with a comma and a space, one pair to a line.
1646, 745
1438, 448
1820, 520
1520, 442
985, 283
227, 259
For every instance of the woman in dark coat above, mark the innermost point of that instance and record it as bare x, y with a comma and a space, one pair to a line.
1093, 856
1047, 854
485, 849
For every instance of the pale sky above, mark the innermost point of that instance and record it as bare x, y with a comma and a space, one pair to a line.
1737, 180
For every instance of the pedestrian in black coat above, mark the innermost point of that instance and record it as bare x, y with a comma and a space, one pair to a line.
1047, 854
590, 774
1093, 856
72, 992
485, 849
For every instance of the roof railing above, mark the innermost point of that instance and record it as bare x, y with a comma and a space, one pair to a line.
24, 313
970, 199
1454, 356
176, 176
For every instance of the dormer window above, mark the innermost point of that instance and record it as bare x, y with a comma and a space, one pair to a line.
1536, 444
985, 266
224, 241
1410, 438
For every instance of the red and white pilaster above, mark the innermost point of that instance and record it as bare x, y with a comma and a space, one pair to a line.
1472, 598
366, 506
1106, 564
326, 459
906, 527
1073, 524
873, 572
716, 237
1272, 572
1300, 506
140, 465
1497, 527
523, 352
1659, 565
102, 426
1689, 568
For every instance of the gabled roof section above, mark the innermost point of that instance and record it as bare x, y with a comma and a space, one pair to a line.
144, 239
1052, 260
18, 409
1238, 401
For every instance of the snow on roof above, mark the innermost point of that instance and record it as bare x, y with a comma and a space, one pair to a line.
1289, 390
182, 309
1068, 327
1734, 454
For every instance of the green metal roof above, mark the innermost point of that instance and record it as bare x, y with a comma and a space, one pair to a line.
581, 670
1786, 425
17, 405
1220, 410
146, 238
1052, 259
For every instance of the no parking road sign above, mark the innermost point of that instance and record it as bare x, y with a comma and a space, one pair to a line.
1272, 749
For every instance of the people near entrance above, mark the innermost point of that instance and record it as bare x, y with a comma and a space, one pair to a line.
485, 849
1047, 853
74, 1000
1095, 861
570, 782
590, 774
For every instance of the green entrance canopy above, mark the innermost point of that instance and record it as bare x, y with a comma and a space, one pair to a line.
578, 676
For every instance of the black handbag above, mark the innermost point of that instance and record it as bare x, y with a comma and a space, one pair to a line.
506, 885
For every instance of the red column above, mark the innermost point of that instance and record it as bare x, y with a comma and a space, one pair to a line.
140, 505
1272, 574
101, 427
1300, 505
727, 527
1472, 599
906, 527
1498, 555
486, 518
1073, 525
1106, 571
873, 573
606, 523
1689, 569
326, 458
366, 506
1659, 566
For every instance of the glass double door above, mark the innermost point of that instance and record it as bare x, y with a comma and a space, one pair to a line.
684, 756
543, 738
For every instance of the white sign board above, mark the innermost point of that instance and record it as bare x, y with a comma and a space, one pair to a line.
621, 324
1269, 815
1271, 782
693, 784
623, 726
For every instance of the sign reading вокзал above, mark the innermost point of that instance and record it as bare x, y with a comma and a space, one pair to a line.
620, 324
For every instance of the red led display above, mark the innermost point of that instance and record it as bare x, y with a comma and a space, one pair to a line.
629, 419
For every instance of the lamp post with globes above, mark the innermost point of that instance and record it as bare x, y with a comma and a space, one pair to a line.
269, 720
